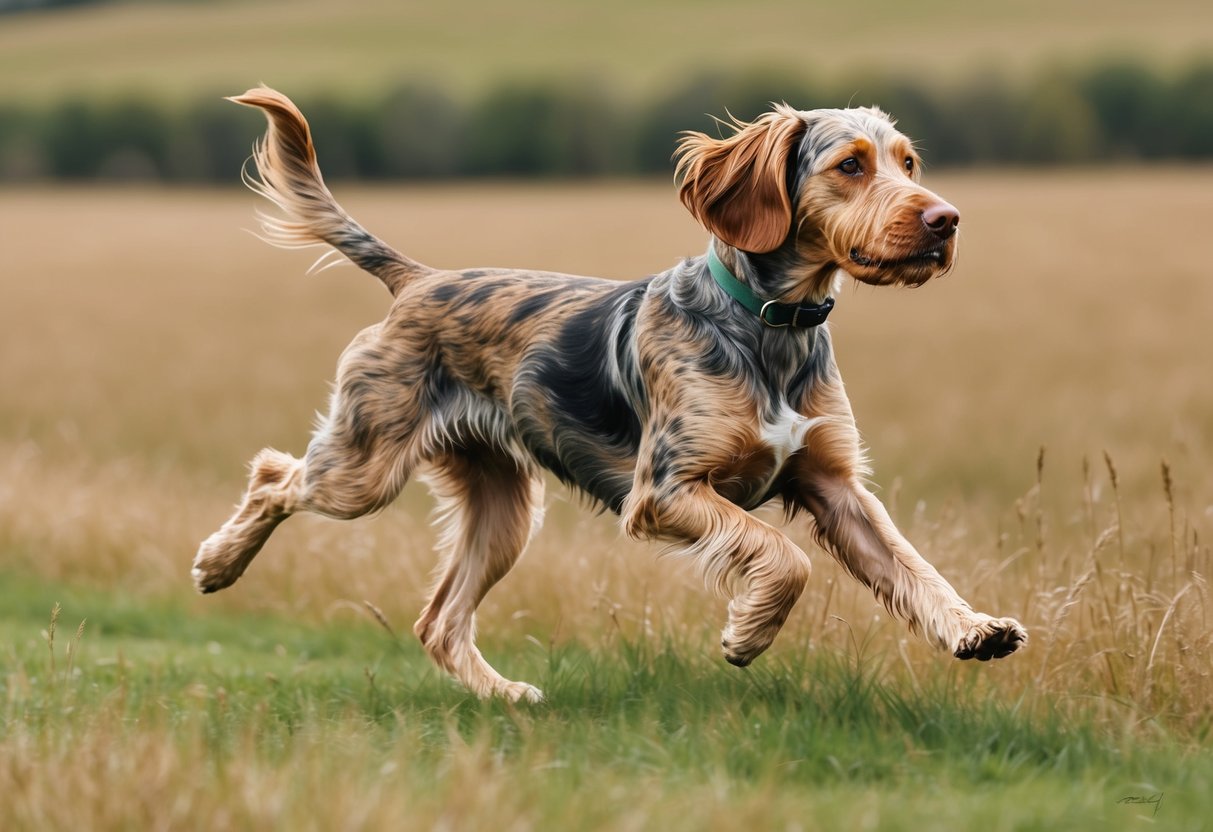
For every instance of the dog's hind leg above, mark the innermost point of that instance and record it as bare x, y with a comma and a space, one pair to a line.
332, 480
357, 462
489, 506
275, 484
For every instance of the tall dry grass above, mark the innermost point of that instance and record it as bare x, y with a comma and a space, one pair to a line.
148, 348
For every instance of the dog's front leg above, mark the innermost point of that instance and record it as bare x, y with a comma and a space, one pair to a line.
860, 534
760, 568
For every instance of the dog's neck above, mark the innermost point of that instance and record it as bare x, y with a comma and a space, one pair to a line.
784, 354
786, 274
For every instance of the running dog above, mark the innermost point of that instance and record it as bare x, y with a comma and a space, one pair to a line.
679, 402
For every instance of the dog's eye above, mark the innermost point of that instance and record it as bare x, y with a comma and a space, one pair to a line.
909, 164
850, 166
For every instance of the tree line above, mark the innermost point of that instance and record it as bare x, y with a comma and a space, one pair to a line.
1108, 112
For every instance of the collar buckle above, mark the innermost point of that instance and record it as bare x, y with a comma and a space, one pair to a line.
762, 315
772, 313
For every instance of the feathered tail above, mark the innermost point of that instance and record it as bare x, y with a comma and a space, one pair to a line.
288, 176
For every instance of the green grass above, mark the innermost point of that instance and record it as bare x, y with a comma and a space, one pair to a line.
183, 49
648, 732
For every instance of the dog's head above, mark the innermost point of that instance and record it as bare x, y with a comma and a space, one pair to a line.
832, 187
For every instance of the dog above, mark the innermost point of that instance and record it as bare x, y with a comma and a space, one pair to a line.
680, 402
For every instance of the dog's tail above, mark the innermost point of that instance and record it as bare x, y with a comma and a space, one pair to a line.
288, 176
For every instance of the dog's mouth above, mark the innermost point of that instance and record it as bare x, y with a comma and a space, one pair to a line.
930, 257
912, 270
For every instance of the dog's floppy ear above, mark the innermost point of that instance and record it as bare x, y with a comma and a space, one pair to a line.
737, 186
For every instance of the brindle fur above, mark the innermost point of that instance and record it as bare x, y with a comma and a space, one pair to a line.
662, 400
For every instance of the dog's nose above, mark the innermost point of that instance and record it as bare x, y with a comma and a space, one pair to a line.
942, 219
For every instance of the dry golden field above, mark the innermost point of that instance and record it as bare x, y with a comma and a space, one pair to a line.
149, 347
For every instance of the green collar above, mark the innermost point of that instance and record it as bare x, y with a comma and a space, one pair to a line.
770, 312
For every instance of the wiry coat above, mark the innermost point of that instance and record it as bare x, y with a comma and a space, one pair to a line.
663, 400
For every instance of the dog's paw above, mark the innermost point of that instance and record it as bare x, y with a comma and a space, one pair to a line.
520, 692
212, 572
747, 635
991, 638
740, 652
735, 657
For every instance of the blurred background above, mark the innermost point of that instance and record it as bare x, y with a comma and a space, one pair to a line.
130, 90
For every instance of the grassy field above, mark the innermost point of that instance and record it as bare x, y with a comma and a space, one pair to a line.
179, 721
149, 347
183, 49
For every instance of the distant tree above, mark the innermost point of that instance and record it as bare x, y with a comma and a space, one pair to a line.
689, 106
70, 135
1128, 102
418, 132
1113, 110
537, 129
7, 6
1190, 112
978, 121
1058, 125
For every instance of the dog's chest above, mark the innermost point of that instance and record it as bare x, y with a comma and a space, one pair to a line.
784, 433
752, 472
